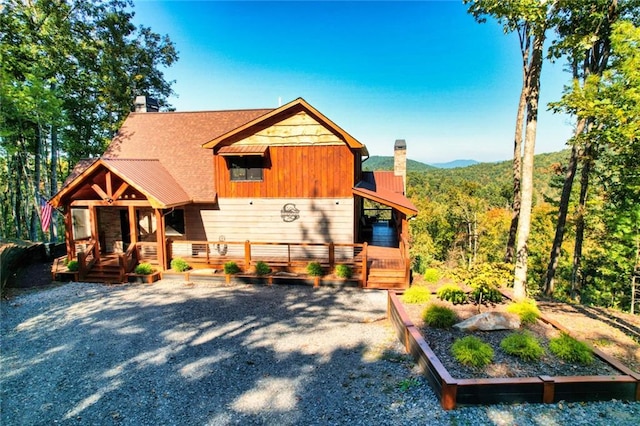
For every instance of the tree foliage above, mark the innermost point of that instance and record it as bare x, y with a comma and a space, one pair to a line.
70, 71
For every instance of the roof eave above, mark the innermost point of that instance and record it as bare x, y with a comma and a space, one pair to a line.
372, 195
299, 102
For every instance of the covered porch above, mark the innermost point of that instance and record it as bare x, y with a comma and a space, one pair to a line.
115, 216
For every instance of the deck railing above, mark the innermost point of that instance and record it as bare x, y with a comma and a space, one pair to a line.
276, 254
87, 258
406, 258
127, 261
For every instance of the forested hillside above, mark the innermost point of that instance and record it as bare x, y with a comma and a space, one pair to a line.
377, 162
464, 221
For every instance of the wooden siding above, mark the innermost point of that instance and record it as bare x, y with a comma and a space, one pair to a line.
260, 220
303, 171
305, 159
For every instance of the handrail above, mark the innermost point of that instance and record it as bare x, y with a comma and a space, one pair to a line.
406, 259
127, 261
86, 259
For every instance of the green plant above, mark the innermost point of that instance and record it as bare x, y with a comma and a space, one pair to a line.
314, 269
416, 294
431, 275
439, 316
144, 269
406, 384
73, 265
179, 265
451, 293
484, 292
344, 271
262, 268
472, 351
571, 350
231, 268
523, 346
526, 310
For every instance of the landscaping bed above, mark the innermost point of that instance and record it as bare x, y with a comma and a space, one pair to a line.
503, 365
507, 379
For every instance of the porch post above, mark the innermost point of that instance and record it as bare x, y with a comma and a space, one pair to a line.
68, 233
95, 235
133, 228
160, 238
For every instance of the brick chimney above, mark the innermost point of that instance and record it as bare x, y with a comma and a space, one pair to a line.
400, 161
144, 104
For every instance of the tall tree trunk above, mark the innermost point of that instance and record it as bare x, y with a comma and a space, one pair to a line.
563, 208
517, 173
524, 224
18, 195
525, 44
33, 229
582, 208
54, 182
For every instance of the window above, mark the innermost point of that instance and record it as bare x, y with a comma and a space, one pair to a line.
81, 224
246, 168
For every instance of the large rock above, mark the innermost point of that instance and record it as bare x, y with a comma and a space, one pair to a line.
488, 321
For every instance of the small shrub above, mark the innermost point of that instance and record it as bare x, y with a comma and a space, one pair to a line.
416, 294
231, 268
526, 310
439, 316
73, 265
571, 350
144, 269
179, 265
523, 346
314, 269
344, 271
472, 351
485, 292
451, 293
431, 275
262, 268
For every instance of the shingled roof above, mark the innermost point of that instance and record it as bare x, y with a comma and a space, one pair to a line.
175, 139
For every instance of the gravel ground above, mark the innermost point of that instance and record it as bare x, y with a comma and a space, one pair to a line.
199, 354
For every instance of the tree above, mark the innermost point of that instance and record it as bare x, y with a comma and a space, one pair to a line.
584, 31
530, 18
70, 72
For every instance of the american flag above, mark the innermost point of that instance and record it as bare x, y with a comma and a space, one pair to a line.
45, 214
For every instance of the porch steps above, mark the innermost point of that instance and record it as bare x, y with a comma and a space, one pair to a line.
103, 274
386, 278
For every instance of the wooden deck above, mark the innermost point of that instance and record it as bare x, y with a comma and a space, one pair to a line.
384, 257
373, 266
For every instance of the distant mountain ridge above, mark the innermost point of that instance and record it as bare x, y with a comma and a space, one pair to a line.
380, 162
454, 164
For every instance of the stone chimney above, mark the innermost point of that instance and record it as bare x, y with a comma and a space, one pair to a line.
400, 161
144, 104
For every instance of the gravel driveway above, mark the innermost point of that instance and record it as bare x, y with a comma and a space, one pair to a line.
177, 354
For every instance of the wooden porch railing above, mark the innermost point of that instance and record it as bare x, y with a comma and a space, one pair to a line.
87, 258
127, 261
278, 254
406, 259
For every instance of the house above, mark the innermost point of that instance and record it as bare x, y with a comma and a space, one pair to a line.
208, 186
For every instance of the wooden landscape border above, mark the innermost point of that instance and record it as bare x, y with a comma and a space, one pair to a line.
453, 392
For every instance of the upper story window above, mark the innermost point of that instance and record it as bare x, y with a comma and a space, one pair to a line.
248, 168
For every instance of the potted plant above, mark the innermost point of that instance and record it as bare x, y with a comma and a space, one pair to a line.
230, 268
315, 270
145, 273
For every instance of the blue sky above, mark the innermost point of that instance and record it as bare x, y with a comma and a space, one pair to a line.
423, 71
